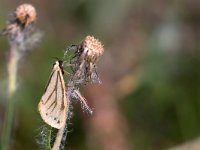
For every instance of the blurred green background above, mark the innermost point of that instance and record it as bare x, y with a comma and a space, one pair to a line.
150, 96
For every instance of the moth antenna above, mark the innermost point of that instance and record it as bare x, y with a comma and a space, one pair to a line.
56, 58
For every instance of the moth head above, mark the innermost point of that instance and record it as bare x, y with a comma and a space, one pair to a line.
59, 63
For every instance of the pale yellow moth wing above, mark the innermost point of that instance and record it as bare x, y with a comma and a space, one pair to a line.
52, 106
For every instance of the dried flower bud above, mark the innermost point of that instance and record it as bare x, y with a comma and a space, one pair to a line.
84, 60
20, 28
26, 14
92, 49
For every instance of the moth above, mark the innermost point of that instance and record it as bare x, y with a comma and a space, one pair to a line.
53, 104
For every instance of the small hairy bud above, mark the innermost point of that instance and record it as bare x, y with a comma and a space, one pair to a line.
92, 49
26, 14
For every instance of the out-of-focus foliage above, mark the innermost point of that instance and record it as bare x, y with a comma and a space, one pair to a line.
152, 45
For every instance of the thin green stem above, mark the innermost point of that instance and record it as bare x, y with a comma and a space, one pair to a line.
48, 144
58, 140
12, 76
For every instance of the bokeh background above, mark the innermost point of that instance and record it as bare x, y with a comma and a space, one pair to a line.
150, 96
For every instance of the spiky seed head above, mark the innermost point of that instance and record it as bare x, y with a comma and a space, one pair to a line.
26, 14
92, 49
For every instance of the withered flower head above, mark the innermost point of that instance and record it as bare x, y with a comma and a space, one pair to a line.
92, 49
20, 28
84, 60
26, 14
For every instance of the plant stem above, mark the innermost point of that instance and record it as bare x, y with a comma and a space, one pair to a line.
48, 144
59, 136
12, 76
62, 133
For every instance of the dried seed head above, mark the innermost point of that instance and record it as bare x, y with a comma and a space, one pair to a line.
92, 49
26, 14
84, 60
